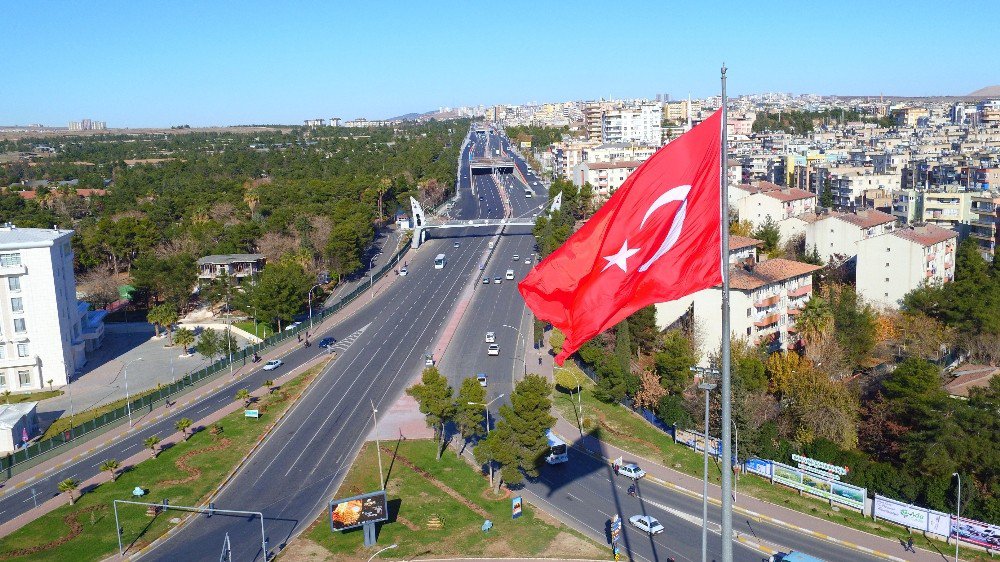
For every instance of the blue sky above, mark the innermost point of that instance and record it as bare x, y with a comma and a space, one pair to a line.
137, 64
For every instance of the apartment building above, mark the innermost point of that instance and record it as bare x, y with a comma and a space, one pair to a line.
605, 177
755, 203
848, 185
835, 235
44, 332
985, 227
893, 264
641, 122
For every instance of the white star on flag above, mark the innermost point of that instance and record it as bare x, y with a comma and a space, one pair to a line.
619, 258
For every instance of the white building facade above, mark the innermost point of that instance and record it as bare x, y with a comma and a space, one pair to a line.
44, 331
837, 234
891, 265
639, 123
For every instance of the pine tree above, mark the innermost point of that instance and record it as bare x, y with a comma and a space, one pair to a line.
436, 401
518, 443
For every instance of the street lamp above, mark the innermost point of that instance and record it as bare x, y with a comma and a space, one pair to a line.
579, 391
486, 407
958, 511
371, 265
311, 304
706, 387
128, 402
524, 348
391, 546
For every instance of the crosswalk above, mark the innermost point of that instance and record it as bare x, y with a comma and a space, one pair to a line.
343, 344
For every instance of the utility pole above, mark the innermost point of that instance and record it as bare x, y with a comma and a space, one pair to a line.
128, 401
486, 407
727, 461
378, 448
706, 387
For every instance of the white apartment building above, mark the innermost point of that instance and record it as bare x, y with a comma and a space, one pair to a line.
849, 185
893, 264
44, 331
605, 177
950, 207
755, 203
838, 234
985, 228
641, 122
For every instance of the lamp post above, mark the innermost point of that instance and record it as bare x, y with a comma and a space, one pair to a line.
736, 432
524, 348
391, 546
371, 284
378, 448
128, 401
579, 390
311, 305
958, 511
486, 407
706, 387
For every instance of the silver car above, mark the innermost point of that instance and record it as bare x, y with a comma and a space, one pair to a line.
646, 523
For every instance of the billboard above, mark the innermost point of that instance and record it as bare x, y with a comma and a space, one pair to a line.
515, 507
697, 441
919, 518
976, 532
353, 512
812, 483
759, 467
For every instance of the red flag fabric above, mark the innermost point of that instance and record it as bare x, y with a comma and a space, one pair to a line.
656, 239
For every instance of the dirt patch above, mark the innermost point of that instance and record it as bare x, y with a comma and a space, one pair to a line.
498, 548
193, 473
304, 550
566, 544
546, 517
407, 523
75, 529
439, 484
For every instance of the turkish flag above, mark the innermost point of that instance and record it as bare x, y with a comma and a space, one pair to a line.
657, 239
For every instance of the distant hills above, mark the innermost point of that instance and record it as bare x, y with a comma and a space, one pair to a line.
987, 92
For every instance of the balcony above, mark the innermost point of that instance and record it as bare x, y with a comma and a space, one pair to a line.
767, 320
801, 291
770, 301
18, 269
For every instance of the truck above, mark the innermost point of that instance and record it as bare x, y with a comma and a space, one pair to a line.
794, 556
557, 449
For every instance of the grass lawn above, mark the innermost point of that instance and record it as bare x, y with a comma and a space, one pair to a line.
417, 501
31, 396
64, 423
184, 473
626, 430
262, 331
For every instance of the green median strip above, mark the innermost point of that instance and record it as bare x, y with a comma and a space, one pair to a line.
437, 509
616, 425
184, 473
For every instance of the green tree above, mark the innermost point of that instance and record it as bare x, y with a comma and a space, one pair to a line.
518, 443
153, 444
170, 279
164, 315
209, 343
69, 486
243, 395
768, 233
278, 294
815, 321
673, 364
469, 410
184, 337
183, 425
111, 466
557, 340
436, 399
855, 323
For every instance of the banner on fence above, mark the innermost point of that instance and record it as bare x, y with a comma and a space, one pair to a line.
759, 467
929, 520
697, 441
810, 483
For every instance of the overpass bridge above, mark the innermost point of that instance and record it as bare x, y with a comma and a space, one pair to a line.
491, 165
421, 225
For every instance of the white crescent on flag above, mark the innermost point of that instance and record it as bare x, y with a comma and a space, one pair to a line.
678, 193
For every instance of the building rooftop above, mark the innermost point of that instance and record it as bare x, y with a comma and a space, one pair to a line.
221, 259
970, 376
14, 238
867, 218
767, 272
790, 194
612, 165
10, 414
926, 235
740, 242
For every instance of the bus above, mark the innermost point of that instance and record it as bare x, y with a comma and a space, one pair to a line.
528, 193
439, 261
557, 449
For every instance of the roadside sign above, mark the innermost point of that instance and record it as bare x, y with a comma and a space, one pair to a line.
251, 413
515, 507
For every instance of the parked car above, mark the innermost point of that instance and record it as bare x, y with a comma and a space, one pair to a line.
481, 377
273, 364
646, 523
491, 337
631, 470
292, 326
493, 349
327, 342
428, 360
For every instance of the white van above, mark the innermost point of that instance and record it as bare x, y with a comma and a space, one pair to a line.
439, 261
510, 274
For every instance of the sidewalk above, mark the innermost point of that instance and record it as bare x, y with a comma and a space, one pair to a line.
77, 452
746, 505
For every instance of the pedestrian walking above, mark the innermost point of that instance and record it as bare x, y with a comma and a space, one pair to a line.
299, 336
909, 544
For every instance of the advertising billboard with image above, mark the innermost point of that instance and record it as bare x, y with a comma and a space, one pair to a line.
353, 512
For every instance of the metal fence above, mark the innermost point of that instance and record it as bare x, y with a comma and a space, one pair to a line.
40, 451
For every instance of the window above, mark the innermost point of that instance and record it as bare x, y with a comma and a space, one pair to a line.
748, 312
3, 351
24, 378
886, 279
19, 326
14, 284
22, 350
17, 304
9, 260
3, 379
887, 264
748, 331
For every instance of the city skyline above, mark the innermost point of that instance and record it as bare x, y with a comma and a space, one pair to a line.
204, 65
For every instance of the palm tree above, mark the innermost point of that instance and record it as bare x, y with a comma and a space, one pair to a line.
244, 395
169, 318
152, 443
184, 337
155, 317
182, 425
815, 321
68, 486
111, 465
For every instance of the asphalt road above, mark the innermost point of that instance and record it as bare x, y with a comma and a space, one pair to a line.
295, 471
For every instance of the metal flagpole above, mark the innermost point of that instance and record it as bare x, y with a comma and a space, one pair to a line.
727, 424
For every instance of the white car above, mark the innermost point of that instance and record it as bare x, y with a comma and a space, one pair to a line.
491, 337
481, 377
646, 523
292, 326
517, 257
527, 261
455, 245
273, 364
497, 280
493, 349
631, 470
402, 272
510, 274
